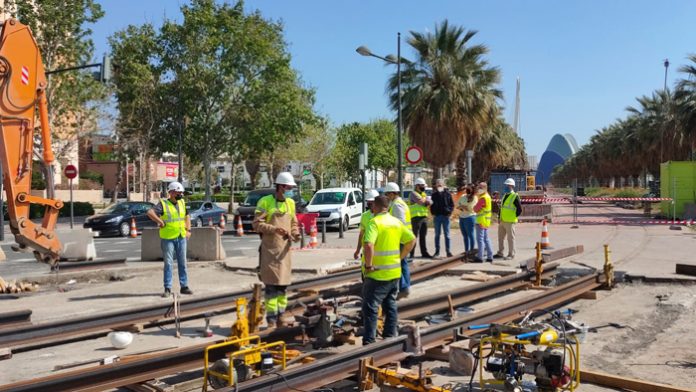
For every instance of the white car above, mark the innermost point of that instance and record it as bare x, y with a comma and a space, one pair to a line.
337, 206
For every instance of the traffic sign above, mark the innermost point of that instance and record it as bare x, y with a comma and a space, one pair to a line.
70, 171
414, 155
414, 169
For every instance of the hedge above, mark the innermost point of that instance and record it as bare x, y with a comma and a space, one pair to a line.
219, 198
81, 208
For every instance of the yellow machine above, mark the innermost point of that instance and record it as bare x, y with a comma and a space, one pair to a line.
548, 351
370, 375
248, 356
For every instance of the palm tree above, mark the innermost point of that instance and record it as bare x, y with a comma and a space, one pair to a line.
685, 104
449, 93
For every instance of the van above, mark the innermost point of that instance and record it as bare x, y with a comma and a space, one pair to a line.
337, 206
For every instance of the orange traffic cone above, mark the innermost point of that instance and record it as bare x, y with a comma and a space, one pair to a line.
210, 221
240, 227
134, 229
313, 242
223, 221
545, 243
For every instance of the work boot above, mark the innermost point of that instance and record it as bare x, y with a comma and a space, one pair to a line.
499, 256
186, 290
449, 254
436, 254
489, 260
167, 293
477, 260
403, 294
509, 257
427, 255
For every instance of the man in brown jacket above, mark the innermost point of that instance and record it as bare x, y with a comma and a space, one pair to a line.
276, 223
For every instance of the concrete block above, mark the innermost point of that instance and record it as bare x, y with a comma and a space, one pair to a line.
205, 244
78, 244
461, 360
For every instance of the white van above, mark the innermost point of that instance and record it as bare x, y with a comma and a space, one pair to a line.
337, 206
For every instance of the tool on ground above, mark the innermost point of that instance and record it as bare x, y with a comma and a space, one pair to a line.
240, 227
538, 265
612, 325
133, 229
549, 351
370, 375
545, 242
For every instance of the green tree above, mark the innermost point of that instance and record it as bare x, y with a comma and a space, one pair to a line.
315, 149
449, 92
380, 136
61, 30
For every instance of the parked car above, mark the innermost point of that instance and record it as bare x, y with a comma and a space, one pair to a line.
203, 211
407, 192
247, 208
116, 219
337, 206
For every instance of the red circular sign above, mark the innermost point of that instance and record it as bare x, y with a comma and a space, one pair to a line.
414, 155
70, 171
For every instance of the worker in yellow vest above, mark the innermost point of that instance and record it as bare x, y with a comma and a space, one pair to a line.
399, 210
484, 212
418, 203
175, 229
276, 223
510, 209
365, 218
387, 241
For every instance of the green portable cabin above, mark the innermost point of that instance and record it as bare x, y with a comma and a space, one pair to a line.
678, 181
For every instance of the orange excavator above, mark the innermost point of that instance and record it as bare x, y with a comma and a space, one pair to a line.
23, 92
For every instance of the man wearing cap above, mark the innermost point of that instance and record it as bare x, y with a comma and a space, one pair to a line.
399, 210
418, 205
510, 209
365, 218
175, 229
276, 223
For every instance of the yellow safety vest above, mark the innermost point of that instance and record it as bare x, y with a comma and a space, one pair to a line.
401, 201
174, 220
386, 259
270, 206
483, 217
508, 211
417, 209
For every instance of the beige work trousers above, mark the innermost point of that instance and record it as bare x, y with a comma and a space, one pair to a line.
506, 229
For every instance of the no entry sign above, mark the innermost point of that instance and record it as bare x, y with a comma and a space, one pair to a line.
70, 171
414, 155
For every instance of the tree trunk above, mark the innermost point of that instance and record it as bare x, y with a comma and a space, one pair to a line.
233, 178
461, 169
206, 171
119, 180
147, 179
252, 167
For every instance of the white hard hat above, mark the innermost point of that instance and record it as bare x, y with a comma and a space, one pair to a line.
371, 194
175, 186
391, 187
509, 181
120, 339
420, 181
285, 178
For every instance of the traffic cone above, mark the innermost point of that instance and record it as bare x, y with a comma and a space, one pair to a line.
223, 221
240, 227
210, 221
313, 242
545, 243
134, 229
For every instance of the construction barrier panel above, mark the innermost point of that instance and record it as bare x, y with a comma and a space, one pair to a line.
78, 244
205, 244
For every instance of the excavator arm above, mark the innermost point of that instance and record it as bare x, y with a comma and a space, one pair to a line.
23, 92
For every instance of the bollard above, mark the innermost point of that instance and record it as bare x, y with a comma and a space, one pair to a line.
608, 267
340, 229
538, 268
301, 236
323, 232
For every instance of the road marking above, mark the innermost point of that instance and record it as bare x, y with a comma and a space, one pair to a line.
23, 260
112, 251
246, 248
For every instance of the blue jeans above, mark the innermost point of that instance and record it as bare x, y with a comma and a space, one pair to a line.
169, 248
483, 240
442, 223
466, 226
376, 293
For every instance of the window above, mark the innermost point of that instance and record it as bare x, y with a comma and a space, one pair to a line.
358, 197
328, 198
207, 206
351, 199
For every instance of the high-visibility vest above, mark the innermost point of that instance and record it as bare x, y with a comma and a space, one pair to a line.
417, 209
483, 217
174, 220
508, 211
386, 259
270, 206
401, 201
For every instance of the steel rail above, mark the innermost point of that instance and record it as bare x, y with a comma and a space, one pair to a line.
14, 318
60, 332
333, 369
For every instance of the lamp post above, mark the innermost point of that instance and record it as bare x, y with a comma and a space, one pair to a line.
364, 51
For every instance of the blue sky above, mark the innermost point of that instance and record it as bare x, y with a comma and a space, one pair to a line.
580, 62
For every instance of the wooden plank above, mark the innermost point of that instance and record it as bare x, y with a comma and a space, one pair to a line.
686, 269
588, 295
608, 380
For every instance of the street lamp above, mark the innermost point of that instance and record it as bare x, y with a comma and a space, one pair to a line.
364, 51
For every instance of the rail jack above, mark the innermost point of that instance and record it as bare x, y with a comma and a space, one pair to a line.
369, 375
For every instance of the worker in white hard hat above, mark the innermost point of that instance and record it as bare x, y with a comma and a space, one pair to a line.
510, 210
175, 229
276, 223
418, 203
364, 220
399, 210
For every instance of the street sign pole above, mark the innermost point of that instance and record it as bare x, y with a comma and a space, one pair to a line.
71, 172
72, 212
